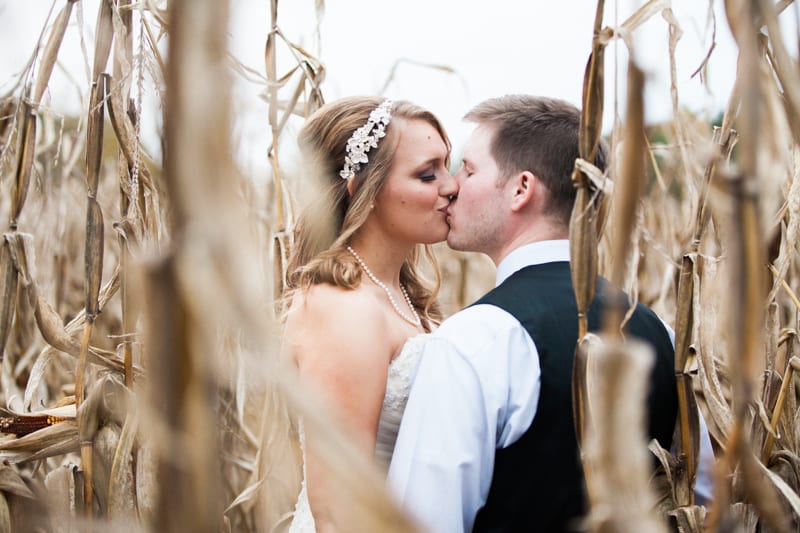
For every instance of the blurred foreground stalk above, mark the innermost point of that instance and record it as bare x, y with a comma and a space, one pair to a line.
196, 165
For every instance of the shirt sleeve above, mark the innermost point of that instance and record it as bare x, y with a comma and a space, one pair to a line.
476, 389
704, 484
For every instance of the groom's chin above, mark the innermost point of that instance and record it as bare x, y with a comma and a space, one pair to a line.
453, 241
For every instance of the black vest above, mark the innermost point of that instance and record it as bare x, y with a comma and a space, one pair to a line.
538, 482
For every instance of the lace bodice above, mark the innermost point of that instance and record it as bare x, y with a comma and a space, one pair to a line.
398, 384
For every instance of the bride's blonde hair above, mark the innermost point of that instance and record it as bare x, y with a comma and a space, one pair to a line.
329, 222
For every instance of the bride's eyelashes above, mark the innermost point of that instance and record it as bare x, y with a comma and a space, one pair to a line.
431, 174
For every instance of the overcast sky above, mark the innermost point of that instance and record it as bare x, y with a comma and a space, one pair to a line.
494, 47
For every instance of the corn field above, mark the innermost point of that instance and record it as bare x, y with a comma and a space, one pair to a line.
140, 377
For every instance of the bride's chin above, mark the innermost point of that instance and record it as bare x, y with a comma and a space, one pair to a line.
437, 238
437, 232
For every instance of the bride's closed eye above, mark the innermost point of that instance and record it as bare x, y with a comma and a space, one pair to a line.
427, 174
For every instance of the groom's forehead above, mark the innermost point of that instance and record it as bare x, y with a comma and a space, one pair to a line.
478, 148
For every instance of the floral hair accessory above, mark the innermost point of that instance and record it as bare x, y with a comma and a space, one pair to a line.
365, 138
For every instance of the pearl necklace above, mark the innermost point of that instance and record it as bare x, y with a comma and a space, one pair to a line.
415, 320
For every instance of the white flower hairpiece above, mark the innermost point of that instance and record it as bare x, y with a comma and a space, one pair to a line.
365, 138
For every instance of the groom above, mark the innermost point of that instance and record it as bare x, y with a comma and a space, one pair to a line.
487, 440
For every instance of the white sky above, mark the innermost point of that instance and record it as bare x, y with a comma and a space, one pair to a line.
495, 47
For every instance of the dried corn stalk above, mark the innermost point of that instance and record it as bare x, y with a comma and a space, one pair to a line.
311, 75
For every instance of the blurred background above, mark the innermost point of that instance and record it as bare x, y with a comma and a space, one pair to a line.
446, 55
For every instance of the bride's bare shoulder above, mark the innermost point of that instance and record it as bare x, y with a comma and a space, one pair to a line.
323, 302
328, 325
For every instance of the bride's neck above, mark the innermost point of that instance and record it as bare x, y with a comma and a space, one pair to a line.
384, 261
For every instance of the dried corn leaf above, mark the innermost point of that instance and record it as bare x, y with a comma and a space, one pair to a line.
122, 19
282, 245
122, 488
11, 482
666, 482
248, 73
710, 371
270, 62
94, 134
292, 103
104, 34
7, 120
8, 293
785, 67
742, 518
34, 388
684, 319
108, 401
93, 256
60, 485
5, 515
21, 249
104, 446
152, 41
675, 34
688, 444
25, 157
277, 472
106, 293
593, 91
643, 14
64, 411
49, 323
581, 408
393, 71
125, 131
790, 236
762, 487
247, 496
600, 182
690, 519
51, 326
51, 49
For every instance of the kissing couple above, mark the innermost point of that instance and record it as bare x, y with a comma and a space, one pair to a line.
470, 417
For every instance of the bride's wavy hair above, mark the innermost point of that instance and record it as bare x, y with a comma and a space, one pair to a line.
325, 227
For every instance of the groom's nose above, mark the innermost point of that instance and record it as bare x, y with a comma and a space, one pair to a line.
449, 187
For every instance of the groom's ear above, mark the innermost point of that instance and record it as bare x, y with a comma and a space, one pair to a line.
526, 187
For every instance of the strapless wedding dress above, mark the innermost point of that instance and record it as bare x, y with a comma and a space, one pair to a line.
398, 383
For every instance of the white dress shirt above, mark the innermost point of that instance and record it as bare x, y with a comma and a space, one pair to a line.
476, 389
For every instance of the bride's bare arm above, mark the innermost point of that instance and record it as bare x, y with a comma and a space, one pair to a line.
339, 343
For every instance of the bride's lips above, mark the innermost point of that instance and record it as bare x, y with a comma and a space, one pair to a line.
447, 214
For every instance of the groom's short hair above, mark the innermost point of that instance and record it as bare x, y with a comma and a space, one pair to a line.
540, 135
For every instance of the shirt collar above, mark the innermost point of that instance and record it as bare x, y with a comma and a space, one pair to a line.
535, 253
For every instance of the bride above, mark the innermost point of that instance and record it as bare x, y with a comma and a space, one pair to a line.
357, 303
